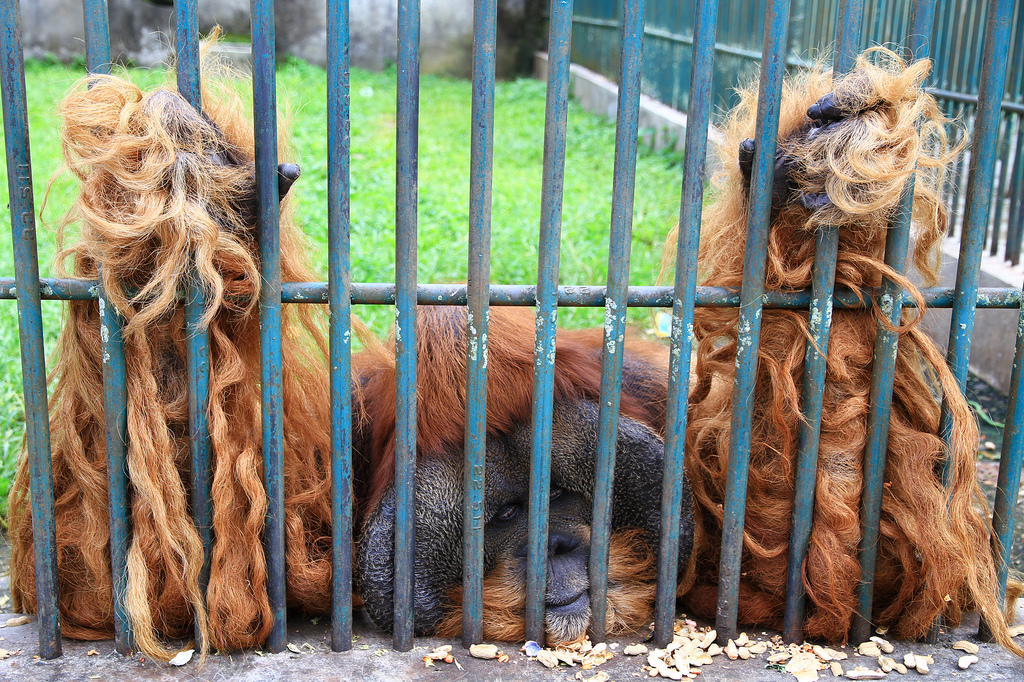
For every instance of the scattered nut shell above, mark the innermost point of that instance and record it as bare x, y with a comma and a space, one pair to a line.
910, 660
731, 651
744, 653
964, 662
836, 668
714, 649
182, 657
634, 650
483, 650
742, 639
865, 674
885, 646
964, 645
922, 664
900, 668
709, 639
17, 620
548, 658
886, 664
869, 649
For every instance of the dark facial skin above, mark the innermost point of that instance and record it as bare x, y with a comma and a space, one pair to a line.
439, 518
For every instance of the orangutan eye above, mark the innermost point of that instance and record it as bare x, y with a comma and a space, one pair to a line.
556, 493
507, 513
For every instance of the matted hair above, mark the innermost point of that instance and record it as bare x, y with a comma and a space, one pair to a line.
934, 554
166, 200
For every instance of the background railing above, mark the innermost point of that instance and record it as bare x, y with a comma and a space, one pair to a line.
668, 57
954, 42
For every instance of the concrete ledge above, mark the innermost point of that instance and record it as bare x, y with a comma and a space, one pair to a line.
661, 126
995, 331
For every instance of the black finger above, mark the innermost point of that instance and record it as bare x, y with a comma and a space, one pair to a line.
287, 174
746, 158
826, 109
815, 201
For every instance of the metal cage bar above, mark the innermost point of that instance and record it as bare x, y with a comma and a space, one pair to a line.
264, 80
815, 360
979, 194
623, 185
115, 397
749, 326
484, 37
197, 338
683, 302
33, 358
405, 316
340, 297
545, 295
891, 303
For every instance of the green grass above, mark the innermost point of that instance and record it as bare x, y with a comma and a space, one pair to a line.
443, 207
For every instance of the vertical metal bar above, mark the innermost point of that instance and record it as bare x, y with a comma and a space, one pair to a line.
264, 79
1014, 231
886, 345
998, 193
405, 314
115, 398
198, 342
1010, 461
959, 174
479, 290
30, 324
751, 291
979, 193
623, 185
115, 401
97, 36
556, 110
683, 300
340, 301
815, 360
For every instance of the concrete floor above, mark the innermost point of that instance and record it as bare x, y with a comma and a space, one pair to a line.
373, 659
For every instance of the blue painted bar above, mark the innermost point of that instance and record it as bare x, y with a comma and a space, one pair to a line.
264, 80
979, 193
115, 397
546, 298
684, 298
573, 296
115, 401
340, 296
623, 185
30, 324
187, 30
811, 400
752, 289
819, 322
1013, 237
1010, 461
97, 36
405, 315
480, 172
891, 303
998, 194
197, 351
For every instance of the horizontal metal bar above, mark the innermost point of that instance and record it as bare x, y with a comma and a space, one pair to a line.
682, 39
1011, 107
581, 296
